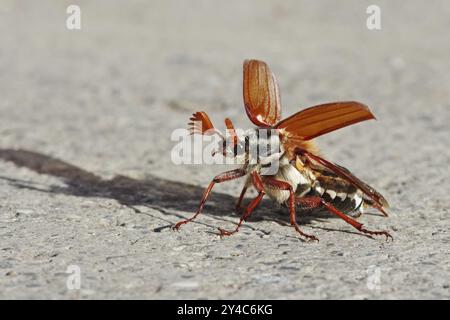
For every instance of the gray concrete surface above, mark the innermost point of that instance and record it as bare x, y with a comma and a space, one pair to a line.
85, 171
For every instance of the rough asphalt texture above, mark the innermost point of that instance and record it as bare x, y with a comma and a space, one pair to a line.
85, 172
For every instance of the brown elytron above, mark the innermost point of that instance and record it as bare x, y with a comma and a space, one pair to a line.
303, 180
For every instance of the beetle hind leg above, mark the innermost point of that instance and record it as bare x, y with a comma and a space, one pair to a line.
316, 202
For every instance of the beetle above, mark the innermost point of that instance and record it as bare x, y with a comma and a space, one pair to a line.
303, 178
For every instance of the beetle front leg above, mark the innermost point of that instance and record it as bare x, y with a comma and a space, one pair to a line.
256, 179
225, 176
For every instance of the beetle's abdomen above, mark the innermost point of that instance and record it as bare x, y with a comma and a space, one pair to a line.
337, 191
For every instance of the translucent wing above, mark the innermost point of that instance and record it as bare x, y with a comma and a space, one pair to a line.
261, 94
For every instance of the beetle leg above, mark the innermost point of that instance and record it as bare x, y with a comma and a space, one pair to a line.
282, 185
256, 179
315, 202
225, 176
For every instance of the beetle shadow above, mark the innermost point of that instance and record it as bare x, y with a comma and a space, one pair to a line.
168, 197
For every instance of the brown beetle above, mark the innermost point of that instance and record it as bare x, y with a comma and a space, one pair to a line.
303, 178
